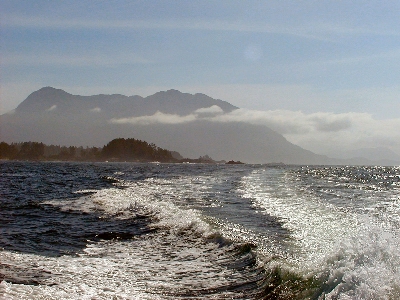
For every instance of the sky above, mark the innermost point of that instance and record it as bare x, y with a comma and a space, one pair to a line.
325, 74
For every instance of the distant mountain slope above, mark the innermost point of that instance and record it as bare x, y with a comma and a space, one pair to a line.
378, 153
53, 116
49, 99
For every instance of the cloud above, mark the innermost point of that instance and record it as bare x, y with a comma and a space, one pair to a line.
322, 132
310, 30
96, 110
163, 118
289, 122
332, 123
215, 109
282, 121
77, 60
52, 108
157, 118
349, 131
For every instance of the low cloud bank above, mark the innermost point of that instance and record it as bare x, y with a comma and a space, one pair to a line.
289, 122
157, 118
321, 132
282, 121
162, 118
215, 109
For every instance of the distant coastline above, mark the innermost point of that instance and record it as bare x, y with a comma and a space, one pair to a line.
117, 150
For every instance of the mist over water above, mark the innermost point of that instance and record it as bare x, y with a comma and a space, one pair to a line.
193, 231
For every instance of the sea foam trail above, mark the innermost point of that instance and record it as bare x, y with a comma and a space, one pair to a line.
349, 253
150, 231
148, 197
178, 258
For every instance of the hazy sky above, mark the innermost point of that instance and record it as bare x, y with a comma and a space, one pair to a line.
311, 60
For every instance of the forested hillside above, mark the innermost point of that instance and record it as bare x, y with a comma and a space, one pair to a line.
117, 150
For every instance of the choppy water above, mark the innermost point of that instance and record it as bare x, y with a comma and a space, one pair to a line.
192, 231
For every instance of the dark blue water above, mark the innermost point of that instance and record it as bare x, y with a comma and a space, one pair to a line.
180, 231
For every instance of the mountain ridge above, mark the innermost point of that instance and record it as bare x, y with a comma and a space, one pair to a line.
49, 98
54, 116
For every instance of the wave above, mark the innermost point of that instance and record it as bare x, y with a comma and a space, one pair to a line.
181, 256
333, 252
260, 233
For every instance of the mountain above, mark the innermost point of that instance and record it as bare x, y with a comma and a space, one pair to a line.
172, 101
170, 119
367, 156
376, 154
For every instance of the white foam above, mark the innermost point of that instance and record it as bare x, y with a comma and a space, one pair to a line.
146, 267
365, 267
153, 197
314, 226
84, 277
356, 254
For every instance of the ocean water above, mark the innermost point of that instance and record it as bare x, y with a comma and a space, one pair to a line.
197, 231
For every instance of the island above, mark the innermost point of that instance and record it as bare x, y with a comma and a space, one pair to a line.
232, 162
117, 150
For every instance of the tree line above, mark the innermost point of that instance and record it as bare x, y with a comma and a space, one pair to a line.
119, 149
